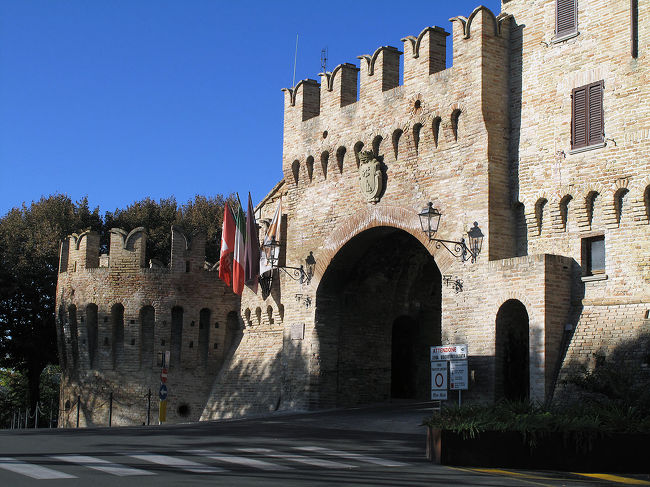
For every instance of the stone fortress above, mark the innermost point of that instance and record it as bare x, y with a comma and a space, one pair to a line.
539, 131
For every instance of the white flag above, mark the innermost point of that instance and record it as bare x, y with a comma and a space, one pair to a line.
273, 233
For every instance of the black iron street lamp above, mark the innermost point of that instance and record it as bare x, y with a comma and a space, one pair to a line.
430, 219
272, 250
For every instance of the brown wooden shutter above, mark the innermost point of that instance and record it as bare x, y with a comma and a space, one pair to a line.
595, 119
566, 17
579, 118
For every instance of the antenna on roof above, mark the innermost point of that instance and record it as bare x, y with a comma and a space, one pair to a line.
323, 59
295, 59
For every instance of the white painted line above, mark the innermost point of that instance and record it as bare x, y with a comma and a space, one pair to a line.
317, 462
102, 465
352, 456
31, 470
186, 465
248, 462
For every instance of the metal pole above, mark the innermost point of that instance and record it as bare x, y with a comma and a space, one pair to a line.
459, 401
26, 416
50, 412
149, 407
36, 417
13, 420
110, 409
78, 404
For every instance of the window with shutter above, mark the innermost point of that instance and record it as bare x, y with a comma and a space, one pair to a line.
566, 18
587, 125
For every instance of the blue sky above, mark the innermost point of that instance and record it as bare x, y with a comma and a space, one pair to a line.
123, 99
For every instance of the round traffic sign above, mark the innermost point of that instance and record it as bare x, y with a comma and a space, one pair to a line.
439, 380
163, 392
163, 376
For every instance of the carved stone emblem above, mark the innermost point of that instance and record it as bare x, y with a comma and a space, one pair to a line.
370, 177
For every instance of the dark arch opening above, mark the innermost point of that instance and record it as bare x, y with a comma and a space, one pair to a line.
117, 322
91, 330
147, 325
380, 294
512, 352
176, 336
403, 362
74, 336
204, 335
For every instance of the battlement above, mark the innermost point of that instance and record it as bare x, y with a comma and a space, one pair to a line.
424, 56
127, 250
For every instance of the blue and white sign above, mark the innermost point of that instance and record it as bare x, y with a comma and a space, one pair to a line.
163, 392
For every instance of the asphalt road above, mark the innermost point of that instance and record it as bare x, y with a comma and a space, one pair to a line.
377, 446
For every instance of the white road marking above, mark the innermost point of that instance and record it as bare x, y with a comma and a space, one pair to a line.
352, 456
102, 465
297, 458
249, 462
31, 470
186, 465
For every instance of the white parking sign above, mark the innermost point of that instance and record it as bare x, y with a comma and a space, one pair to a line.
439, 381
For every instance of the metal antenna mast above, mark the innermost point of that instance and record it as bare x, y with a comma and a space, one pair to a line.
295, 59
323, 59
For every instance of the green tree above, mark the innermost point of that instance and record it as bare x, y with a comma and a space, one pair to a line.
29, 252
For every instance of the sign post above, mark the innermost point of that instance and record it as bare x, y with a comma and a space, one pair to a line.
162, 393
454, 357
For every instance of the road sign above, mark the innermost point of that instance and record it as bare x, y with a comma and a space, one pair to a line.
458, 375
163, 392
438, 380
163, 375
448, 352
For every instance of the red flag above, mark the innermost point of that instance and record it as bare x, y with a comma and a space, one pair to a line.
227, 246
252, 251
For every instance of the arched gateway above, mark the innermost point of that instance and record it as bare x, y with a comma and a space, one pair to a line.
378, 310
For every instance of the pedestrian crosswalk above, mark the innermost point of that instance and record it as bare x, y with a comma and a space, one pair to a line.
197, 461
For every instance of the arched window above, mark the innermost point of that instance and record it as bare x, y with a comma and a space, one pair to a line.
357, 149
590, 206
646, 202
435, 128
147, 328
619, 202
324, 159
117, 328
396, 136
74, 335
376, 143
310, 168
63, 357
295, 170
92, 332
416, 136
176, 336
204, 335
340, 156
564, 211
455, 117
539, 214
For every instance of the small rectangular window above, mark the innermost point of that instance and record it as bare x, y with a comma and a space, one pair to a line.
593, 257
566, 18
587, 124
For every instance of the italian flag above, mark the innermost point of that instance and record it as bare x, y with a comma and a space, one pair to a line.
239, 251
227, 246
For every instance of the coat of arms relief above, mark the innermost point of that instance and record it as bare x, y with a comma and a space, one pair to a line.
370, 176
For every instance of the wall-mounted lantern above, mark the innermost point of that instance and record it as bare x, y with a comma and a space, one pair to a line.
272, 249
430, 220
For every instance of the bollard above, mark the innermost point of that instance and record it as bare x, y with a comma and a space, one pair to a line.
78, 404
110, 409
26, 416
36, 417
149, 407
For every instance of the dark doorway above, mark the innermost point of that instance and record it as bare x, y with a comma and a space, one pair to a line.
512, 352
403, 363
378, 310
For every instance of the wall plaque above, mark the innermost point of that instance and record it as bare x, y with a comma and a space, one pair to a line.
297, 331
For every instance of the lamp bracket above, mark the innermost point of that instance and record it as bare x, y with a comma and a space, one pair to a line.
457, 249
455, 283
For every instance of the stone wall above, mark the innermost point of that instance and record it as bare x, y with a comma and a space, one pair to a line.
100, 357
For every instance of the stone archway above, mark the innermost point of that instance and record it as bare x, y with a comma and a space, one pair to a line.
380, 295
512, 351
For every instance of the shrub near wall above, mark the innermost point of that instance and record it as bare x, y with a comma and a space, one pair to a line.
587, 436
